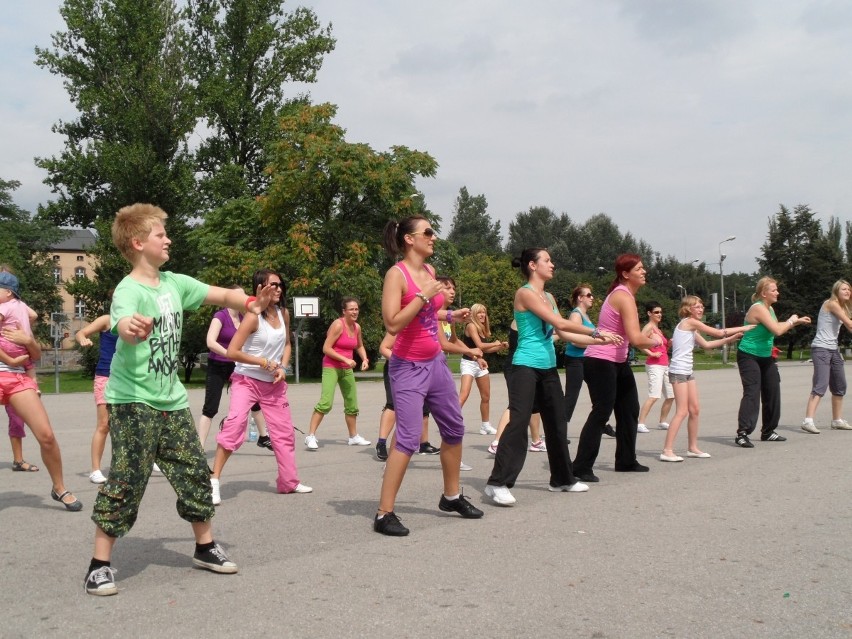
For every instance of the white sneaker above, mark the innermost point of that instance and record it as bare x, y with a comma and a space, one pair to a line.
642, 429
538, 447
302, 489
500, 495
311, 442
809, 427
840, 424
97, 477
156, 469
576, 487
358, 441
487, 429
663, 425
217, 497
464, 466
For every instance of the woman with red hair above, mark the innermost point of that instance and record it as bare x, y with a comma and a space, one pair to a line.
608, 375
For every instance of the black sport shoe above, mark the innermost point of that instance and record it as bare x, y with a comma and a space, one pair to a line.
462, 506
635, 467
264, 442
772, 437
389, 525
588, 477
214, 559
428, 449
381, 451
743, 441
101, 582
609, 431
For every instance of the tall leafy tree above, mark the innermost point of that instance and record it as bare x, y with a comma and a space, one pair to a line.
243, 54
123, 65
472, 230
541, 227
805, 260
24, 245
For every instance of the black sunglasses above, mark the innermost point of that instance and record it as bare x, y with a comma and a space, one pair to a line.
425, 233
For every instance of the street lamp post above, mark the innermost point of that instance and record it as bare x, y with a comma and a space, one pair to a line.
682, 290
722, 257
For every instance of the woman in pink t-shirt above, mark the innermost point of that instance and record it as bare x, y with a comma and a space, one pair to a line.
342, 341
657, 369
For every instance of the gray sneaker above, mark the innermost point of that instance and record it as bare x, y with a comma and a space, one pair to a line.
809, 427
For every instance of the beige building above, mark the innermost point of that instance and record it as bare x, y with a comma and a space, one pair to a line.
70, 261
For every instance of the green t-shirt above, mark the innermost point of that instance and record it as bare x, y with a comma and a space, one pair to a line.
759, 341
147, 372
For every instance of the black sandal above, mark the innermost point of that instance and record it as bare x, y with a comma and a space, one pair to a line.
24, 467
74, 506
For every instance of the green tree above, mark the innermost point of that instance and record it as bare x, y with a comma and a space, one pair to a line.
540, 227
24, 246
805, 260
243, 54
472, 230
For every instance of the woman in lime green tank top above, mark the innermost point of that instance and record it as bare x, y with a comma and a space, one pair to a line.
758, 370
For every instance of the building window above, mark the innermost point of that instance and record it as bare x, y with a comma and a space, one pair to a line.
80, 273
55, 258
57, 275
79, 258
79, 307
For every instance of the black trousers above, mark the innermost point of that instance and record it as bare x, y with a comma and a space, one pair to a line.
573, 384
761, 388
612, 389
542, 388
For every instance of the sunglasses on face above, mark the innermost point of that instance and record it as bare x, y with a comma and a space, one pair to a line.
587, 295
656, 312
425, 233
275, 284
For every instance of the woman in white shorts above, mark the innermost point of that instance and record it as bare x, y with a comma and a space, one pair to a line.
657, 369
475, 333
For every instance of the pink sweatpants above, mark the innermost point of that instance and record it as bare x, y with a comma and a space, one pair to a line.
275, 406
16, 424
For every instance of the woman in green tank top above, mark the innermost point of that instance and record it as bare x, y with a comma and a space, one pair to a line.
758, 370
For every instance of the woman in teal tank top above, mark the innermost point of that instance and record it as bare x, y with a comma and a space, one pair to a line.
535, 379
758, 369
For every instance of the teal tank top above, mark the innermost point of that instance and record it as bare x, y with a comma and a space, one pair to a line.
535, 340
759, 341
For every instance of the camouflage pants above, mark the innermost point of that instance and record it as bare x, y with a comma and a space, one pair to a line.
142, 435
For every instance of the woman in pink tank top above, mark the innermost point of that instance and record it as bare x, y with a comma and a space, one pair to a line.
411, 298
609, 378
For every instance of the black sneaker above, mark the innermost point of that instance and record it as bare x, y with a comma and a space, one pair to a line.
743, 441
101, 582
635, 467
609, 431
381, 451
389, 525
428, 449
214, 559
462, 506
264, 442
588, 477
772, 437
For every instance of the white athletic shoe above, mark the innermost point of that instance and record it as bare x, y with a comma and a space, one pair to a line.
358, 441
97, 477
217, 497
500, 495
487, 429
809, 427
311, 442
642, 429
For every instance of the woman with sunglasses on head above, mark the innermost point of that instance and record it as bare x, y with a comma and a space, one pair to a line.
657, 369
223, 327
582, 300
342, 341
758, 369
535, 381
612, 386
684, 338
825, 353
411, 297
476, 332
261, 349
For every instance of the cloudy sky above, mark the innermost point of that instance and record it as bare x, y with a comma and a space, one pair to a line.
685, 121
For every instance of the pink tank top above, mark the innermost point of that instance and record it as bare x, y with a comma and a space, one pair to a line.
663, 359
345, 346
610, 320
418, 341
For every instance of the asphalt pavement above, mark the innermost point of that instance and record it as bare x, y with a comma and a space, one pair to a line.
749, 543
